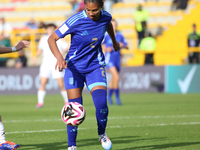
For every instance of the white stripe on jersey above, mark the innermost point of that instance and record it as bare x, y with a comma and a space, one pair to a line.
75, 18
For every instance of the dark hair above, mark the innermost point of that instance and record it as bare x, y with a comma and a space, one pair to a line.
50, 25
100, 2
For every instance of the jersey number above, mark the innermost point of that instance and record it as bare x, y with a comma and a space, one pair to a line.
95, 40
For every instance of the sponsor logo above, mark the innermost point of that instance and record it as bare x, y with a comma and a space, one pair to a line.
63, 29
84, 33
184, 84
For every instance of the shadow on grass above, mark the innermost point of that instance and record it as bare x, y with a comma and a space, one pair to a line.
162, 146
87, 142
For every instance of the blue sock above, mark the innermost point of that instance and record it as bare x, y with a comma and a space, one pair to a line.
116, 93
100, 102
110, 92
72, 131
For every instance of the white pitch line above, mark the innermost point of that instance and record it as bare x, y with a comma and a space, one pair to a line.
125, 126
110, 118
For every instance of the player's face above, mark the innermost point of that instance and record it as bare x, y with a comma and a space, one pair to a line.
50, 30
93, 10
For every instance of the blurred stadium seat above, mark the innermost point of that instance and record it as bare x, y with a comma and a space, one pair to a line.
171, 45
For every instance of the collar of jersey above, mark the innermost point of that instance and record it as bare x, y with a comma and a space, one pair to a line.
86, 16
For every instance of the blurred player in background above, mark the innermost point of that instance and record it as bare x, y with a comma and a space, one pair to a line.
85, 62
47, 67
113, 62
7, 145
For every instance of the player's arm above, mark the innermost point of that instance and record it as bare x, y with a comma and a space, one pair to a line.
18, 47
123, 43
112, 36
39, 51
61, 63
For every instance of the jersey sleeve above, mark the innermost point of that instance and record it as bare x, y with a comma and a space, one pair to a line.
64, 30
124, 41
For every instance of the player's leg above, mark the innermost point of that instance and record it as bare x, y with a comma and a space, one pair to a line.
74, 83
98, 89
109, 65
6, 145
42, 91
59, 78
115, 82
2, 133
63, 92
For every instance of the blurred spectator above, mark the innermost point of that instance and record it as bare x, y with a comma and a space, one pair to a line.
182, 4
5, 28
41, 25
179, 4
4, 42
174, 5
159, 30
193, 41
148, 44
32, 24
75, 6
81, 6
108, 5
141, 16
21, 61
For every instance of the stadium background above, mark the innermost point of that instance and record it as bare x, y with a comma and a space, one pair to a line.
171, 45
147, 119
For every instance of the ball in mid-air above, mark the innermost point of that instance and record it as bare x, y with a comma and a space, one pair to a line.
73, 114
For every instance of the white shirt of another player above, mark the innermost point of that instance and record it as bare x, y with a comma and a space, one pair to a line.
48, 57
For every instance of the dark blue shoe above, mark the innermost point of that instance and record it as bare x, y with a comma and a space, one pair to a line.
9, 146
110, 100
118, 101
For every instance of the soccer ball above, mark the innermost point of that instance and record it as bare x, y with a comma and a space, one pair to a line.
73, 114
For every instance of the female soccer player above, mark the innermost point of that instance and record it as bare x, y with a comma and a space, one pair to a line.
7, 145
113, 63
46, 69
85, 62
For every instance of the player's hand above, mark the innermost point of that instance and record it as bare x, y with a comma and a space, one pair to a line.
61, 64
116, 46
21, 45
121, 44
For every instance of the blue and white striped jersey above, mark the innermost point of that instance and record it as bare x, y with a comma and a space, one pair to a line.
85, 52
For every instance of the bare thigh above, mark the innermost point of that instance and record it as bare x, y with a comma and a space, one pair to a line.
74, 93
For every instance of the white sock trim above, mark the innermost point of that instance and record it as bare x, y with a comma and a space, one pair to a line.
64, 95
41, 96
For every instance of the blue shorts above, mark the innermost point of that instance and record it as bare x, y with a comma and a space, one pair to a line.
112, 61
74, 79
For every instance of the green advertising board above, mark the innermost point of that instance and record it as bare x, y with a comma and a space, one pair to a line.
182, 79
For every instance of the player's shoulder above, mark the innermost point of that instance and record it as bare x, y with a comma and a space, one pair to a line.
106, 14
73, 20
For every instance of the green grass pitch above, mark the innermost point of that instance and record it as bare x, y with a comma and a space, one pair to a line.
145, 121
